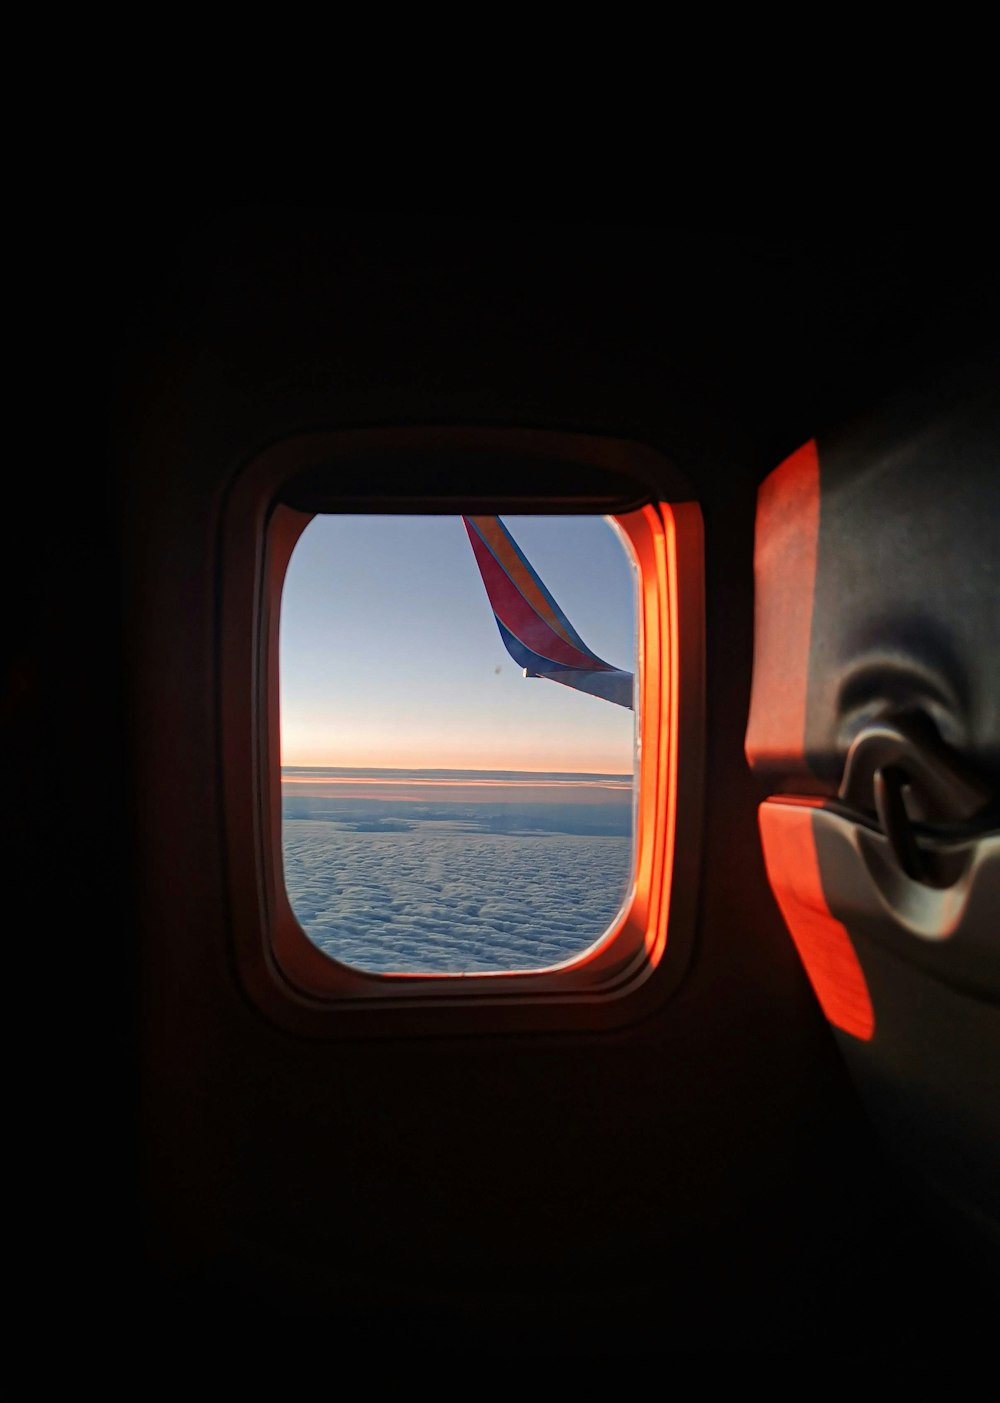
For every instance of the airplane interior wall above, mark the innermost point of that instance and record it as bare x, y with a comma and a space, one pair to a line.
709, 1177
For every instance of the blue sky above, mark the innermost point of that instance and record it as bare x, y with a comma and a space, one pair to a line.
390, 655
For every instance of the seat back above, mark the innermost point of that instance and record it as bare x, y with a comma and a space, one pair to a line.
875, 728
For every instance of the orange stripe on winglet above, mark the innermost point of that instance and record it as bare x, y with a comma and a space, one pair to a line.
823, 943
786, 538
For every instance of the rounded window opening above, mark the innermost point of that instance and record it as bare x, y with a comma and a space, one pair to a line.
459, 742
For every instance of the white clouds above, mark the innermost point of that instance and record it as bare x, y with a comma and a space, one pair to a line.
431, 901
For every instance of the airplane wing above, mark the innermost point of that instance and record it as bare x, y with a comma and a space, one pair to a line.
535, 631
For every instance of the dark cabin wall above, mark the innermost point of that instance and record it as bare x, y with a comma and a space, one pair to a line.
711, 1166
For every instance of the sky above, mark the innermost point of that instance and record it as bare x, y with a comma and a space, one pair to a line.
390, 654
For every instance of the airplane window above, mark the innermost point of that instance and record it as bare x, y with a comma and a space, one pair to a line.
458, 739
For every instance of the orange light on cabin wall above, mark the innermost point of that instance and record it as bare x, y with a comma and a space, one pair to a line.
822, 941
665, 553
652, 533
646, 533
785, 555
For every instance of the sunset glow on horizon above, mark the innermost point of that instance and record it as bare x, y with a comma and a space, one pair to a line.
421, 787
417, 778
537, 759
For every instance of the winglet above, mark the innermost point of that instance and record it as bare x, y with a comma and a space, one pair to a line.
535, 631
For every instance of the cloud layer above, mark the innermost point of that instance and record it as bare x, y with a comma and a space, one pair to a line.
449, 895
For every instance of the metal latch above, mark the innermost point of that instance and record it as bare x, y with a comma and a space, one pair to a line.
899, 769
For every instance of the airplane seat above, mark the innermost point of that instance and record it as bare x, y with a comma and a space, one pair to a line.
874, 727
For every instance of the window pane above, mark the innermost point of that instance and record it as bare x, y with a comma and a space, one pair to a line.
442, 813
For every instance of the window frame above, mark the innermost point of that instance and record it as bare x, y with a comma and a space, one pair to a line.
642, 958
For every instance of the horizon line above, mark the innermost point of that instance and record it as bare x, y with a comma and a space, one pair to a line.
453, 770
